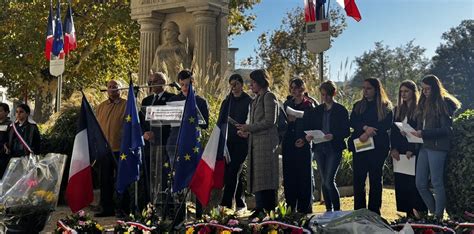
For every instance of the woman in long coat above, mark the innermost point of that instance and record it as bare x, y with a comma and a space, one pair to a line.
263, 142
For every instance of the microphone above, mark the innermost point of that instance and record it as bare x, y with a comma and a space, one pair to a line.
174, 85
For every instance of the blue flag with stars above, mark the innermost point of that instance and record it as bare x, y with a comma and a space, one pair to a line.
189, 149
58, 41
130, 149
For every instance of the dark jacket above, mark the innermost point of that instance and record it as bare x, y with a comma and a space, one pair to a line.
399, 142
369, 118
436, 132
338, 124
296, 129
4, 136
30, 133
145, 124
239, 110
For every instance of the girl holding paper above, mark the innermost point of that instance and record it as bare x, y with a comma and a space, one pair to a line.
371, 118
407, 196
297, 170
332, 119
434, 114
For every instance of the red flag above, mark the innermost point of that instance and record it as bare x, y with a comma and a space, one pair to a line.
309, 11
351, 8
70, 42
49, 34
210, 170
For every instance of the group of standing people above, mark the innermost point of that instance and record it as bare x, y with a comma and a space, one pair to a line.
372, 119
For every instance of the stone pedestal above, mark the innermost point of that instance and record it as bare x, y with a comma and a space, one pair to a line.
203, 28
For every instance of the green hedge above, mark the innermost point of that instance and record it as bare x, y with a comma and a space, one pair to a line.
460, 167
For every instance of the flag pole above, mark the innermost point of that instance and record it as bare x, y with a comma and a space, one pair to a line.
58, 102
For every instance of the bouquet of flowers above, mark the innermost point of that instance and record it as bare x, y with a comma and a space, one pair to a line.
220, 220
79, 222
29, 191
427, 224
280, 220
148, 221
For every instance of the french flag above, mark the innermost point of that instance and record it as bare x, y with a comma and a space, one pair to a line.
309, 11
70, 42
210, 169
89, 144
351, 8
49, 34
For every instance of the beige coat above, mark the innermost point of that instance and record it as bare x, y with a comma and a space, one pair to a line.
110, 116
263, 143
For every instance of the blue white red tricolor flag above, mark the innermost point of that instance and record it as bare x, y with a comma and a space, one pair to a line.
70, 42
89, 145
49, 34
210, 169
351, 8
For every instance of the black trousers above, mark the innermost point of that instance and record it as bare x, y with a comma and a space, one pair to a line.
297, 177
368, 162
108, 176
265, 200
232, 177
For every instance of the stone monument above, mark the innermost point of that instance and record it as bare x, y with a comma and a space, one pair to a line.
181, 33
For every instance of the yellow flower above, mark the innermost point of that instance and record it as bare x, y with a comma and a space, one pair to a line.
148, 223
273, 231
190, 230
226, 232
100, 228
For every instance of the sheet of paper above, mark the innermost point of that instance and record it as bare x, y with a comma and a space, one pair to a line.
404, 165
364, 146
293, 112
3, 128
408, 130
176, 103
318, 136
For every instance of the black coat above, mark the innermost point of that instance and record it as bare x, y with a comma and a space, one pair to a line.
338, 124
369, 117
239, 110
4, 136
296, 129
30, 133
145, 124
399, 142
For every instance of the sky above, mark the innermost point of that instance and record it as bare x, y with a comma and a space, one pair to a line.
394, 22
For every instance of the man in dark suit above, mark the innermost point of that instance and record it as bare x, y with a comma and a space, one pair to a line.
155, 137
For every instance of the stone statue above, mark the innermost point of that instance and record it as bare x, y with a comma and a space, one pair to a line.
172, 55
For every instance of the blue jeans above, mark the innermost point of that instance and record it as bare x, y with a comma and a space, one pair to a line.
431, 164
328, 161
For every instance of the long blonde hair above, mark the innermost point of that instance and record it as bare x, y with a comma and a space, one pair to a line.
435, 105
384, 105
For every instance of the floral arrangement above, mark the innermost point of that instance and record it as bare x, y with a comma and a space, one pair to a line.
428, 224
148, 221
220, 220
78, 222
280, 220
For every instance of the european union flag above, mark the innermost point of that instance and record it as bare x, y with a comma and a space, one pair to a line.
189, 149
58, 41
130, 149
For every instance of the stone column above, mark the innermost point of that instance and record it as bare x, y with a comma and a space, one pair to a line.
150, 29
205, 38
